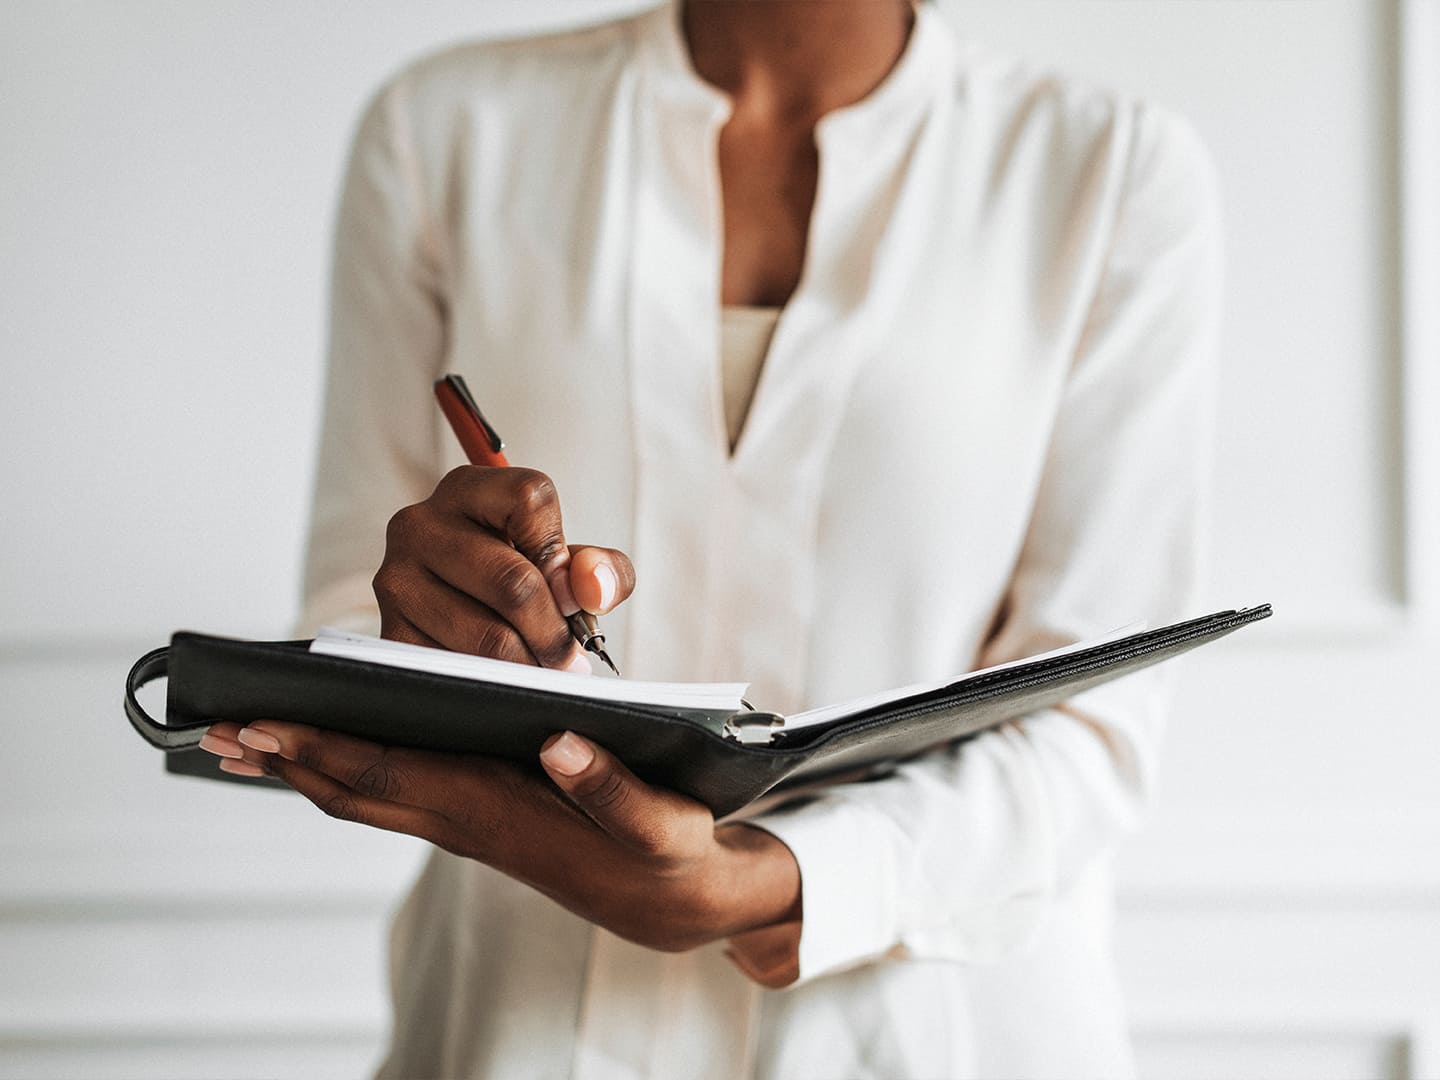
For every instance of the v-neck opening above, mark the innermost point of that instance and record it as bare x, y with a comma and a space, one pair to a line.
847, 140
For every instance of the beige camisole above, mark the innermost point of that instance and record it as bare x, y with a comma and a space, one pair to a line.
745, 334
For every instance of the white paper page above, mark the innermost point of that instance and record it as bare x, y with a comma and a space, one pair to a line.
711, 697
826, 714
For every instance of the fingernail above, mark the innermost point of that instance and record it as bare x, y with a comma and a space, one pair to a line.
224, 747
609, 585
568, 755
259, 740
580, 664
241, 768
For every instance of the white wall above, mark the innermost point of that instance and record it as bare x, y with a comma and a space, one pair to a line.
166, 184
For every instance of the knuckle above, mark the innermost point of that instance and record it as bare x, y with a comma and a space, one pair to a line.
402, 525
608, 793
386, 584
399, 587
454, 480
340, 805
534, 491
555, 649
381, 779
518, 584
535, 515
550, 548
307, 755
499, 642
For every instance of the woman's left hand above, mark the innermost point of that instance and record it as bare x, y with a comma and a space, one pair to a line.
646, 863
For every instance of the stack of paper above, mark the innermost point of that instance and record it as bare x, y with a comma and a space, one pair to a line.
708, 697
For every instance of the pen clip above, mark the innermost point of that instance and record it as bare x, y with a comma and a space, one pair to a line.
457, 384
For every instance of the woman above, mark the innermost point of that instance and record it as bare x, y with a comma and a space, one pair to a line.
980, 303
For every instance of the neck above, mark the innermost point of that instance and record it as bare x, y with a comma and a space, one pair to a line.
799, 58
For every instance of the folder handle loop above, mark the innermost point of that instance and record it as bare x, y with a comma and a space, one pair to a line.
154, 665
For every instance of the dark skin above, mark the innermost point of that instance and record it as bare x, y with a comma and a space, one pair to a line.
483, 566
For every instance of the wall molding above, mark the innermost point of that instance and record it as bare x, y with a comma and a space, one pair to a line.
1412, 106
1419, 223
119, 648
1424, 1046
1325, 859
153, 867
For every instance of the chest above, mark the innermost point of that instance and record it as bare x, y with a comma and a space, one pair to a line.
592, 292
768, 174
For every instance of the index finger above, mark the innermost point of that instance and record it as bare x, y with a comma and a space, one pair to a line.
388, 773
330, 795
522, 506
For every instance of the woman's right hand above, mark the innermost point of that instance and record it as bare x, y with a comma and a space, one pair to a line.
482, 567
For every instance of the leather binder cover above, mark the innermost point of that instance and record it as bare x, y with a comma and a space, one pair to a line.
212, 678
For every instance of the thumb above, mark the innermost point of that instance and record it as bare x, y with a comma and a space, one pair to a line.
614, 798
600, 578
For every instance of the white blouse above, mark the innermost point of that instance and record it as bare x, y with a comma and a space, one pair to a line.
978, 433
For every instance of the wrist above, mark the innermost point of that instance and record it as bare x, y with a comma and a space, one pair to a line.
757, 881
764, 940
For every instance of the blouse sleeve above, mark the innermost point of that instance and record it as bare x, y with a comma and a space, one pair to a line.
379, 447
964, 851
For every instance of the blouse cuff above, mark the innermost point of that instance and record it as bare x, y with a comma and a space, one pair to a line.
849, 881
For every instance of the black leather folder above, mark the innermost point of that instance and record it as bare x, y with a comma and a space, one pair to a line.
726, 760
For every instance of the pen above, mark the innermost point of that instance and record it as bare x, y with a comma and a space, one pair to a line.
483, 446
